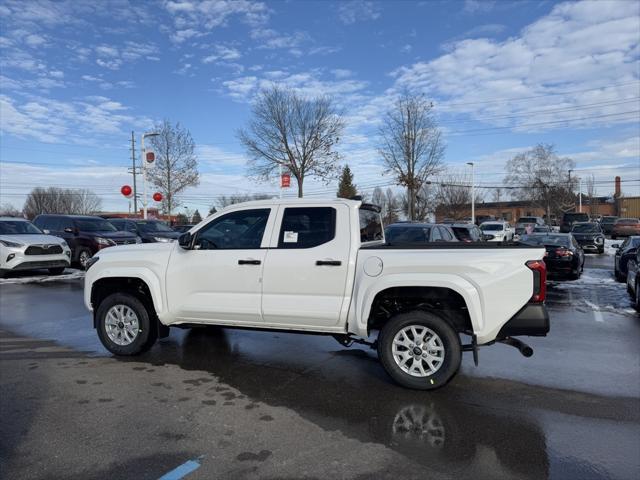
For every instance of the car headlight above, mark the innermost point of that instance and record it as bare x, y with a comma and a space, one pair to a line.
162, 239
104, 241
7, 243
64, 244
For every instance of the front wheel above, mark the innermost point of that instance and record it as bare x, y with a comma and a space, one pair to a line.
419, 350
124, 325
83, 257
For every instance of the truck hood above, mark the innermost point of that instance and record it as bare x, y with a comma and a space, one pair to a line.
138, 249
33, 239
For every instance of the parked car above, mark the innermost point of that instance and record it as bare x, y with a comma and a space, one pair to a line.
569, 218
322, 267
418, 233
182, 228
625, 227
497, 231
149, 231
625, 251
633, 279
23, 246
467, 232
564, 256
542, 229
85, 234
589, 235
606, 223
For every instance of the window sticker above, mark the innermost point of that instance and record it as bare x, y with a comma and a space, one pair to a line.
290, 237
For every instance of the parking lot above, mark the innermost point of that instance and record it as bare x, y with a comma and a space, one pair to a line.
223, 403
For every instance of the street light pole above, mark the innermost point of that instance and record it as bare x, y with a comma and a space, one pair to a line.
473, 195
143, 160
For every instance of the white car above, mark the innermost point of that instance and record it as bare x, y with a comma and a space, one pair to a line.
497, 231
23, 246
323, 267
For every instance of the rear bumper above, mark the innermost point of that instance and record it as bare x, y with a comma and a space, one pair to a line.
532, 320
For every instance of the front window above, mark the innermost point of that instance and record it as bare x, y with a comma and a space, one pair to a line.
588, 228
491, 227
236, 230
94, 225
153, 226
18, 227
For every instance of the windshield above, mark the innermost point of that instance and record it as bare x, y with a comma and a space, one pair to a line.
153, 226
18, 227
547, 240
585, 228
491, 227
94, 225
608, 219
576, 217
627, 221
407, 234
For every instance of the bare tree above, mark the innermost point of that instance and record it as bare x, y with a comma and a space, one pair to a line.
61, 200
8, 210
226, 200
542, 177
453, 197
497, 194
389, 203
176, 165
411, 145
292, 132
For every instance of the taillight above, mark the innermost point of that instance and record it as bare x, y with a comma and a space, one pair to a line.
563, 252
539, 270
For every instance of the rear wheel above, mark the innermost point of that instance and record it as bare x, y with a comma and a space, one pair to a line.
124, 325
419, 350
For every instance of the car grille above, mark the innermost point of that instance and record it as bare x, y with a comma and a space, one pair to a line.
124, 241
43, 250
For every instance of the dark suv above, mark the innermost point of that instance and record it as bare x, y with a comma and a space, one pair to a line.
569, 218
148, 230
84, 234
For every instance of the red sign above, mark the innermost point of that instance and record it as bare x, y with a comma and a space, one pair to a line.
150, 157
157, 197
285, 180
127, 191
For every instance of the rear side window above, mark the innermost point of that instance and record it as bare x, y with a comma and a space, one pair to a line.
370, 225
446, 234
119, 224
307, 227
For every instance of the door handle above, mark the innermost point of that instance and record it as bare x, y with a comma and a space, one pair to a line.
249, 262
329, 263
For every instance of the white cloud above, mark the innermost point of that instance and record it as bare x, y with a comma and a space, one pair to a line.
222, 52
357, 11
34, 40
478, 6
271, 39
590, 48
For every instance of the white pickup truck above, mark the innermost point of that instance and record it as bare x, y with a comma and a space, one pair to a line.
322, 267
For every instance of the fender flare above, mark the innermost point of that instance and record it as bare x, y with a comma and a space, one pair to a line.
358, 322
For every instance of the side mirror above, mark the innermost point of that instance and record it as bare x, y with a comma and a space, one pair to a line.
184, 240
69, 230
46, 231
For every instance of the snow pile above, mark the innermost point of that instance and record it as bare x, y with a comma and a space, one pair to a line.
70, 275
608, 249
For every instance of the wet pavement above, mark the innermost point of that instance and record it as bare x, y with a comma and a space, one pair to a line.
226, 403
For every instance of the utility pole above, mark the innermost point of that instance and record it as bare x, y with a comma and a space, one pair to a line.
473, 195
134, 172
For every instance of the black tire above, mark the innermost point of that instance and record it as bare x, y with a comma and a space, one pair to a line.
147, 332
600, 251
84, 254
450, 342
56, 271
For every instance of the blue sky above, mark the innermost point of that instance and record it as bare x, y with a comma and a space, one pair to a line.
77, 76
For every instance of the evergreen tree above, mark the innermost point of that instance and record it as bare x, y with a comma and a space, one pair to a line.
197, 218
212, 210
346, 188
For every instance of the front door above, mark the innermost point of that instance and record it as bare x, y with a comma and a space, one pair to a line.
219, 279
305, 273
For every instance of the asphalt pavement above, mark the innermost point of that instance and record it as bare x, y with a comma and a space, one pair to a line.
224, 403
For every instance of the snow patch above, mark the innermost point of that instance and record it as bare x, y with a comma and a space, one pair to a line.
71, 275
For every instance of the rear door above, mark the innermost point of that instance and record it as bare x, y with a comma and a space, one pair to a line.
305, 272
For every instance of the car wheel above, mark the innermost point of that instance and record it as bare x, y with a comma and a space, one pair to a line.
419, 350
124, 325
600, 251
83, 257
56, 271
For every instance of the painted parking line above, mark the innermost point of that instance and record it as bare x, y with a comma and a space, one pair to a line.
183, 470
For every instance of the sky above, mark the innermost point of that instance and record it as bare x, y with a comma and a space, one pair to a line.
77, 77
